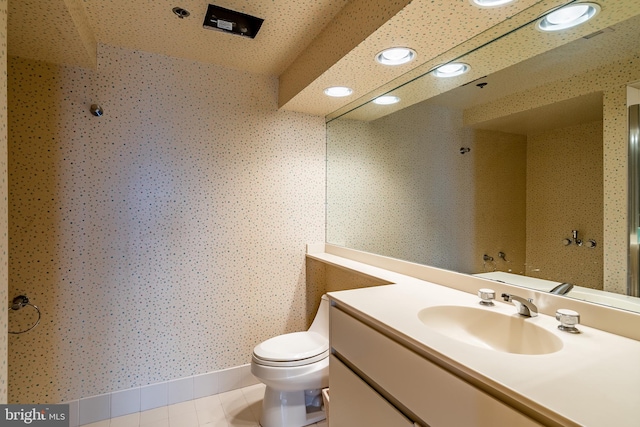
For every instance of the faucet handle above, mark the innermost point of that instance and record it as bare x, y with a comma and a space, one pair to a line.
568, 320
487, 296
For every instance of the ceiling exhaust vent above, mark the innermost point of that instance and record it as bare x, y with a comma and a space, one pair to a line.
232, 22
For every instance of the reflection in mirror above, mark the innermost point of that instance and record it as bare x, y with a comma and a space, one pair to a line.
519, 176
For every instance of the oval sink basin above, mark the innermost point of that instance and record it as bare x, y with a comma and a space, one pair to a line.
490, 329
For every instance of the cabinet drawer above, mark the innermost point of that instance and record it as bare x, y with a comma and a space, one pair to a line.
355, 404
438, 397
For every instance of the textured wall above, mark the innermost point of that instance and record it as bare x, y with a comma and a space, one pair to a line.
564, 193
398, 186
56, 31
612, 81
164, 239
4, 214
500, 185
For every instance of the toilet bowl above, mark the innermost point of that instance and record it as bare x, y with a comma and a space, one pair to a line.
294, 367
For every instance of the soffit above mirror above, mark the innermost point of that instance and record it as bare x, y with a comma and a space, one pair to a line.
516, 62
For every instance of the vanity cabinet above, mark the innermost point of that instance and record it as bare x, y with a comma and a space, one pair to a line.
375, 381
355, 403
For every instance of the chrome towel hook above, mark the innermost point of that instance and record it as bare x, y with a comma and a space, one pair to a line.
22, 301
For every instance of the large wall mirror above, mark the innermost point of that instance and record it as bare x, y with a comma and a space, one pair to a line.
515, 171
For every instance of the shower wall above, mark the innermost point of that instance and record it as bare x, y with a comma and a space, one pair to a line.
164, 239
611, 81
398, 186
565, 193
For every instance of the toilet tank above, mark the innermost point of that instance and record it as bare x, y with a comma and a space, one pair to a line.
320, 323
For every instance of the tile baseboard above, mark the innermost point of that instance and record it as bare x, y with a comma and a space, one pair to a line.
110, 405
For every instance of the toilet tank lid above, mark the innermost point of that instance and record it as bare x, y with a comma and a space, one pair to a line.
293, 346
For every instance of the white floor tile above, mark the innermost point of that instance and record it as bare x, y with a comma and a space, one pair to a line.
254, 392
104, 423
186, 419
213, 416
152, 415
208, 402
131, 420
157, 423
253, 395
236, 408
182, 408
233, 400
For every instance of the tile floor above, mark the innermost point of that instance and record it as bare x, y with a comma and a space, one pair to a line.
236, 408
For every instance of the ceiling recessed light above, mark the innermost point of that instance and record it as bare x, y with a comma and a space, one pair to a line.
396, 56
568, 16
451, 70
386, 100
338, 91
490, 3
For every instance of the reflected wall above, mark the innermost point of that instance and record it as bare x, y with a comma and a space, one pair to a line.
399, 186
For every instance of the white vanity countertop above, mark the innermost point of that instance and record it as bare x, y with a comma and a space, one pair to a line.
594, 380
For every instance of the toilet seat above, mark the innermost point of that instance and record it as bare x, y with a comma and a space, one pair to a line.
294, 349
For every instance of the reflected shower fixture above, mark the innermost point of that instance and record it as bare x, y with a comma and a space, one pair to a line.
579, 242
488, 259
464, 150
96, 110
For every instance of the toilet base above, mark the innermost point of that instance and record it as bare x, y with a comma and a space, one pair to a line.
287, 409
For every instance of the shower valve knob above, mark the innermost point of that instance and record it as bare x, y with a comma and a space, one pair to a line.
566, 242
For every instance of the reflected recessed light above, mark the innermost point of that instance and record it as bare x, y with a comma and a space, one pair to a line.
490, 3
386, 100
568, 16
338, 91
396, 56
451, 70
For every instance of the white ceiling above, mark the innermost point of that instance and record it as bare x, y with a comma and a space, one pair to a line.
307, 44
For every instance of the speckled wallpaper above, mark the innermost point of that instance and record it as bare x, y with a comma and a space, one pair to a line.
419, 199
400, 187
164, 239
612, 81
564, 193
4, 214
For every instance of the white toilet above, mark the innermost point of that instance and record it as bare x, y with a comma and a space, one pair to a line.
294, 367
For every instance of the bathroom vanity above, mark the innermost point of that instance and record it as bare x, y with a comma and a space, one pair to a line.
402, 355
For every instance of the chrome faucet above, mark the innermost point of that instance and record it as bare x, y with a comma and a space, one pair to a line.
525, 307
561, 289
